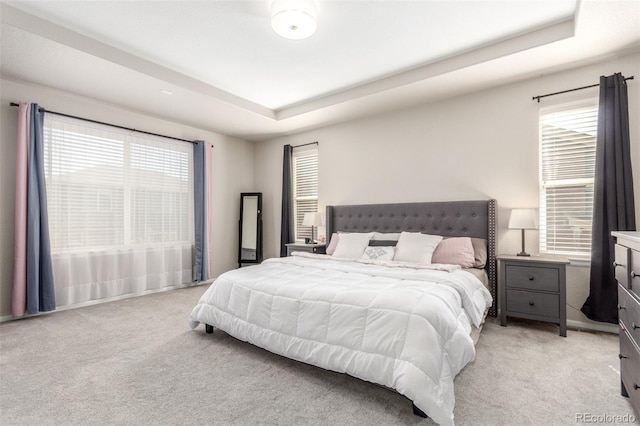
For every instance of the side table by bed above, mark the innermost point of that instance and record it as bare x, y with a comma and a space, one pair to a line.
533, 288
311, 248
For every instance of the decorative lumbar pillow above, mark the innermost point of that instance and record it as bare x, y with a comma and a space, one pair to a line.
332, 243
383, 243
455, 251
378, 253
416, 247
351, 246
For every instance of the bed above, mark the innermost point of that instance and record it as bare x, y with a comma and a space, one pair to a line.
403, 323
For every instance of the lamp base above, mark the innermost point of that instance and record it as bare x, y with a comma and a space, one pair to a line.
522, 252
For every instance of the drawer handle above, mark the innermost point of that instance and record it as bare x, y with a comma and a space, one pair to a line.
620, 307
617, 264
531, 278
621, 356
531, 303
634, 326
635, 386
633, 275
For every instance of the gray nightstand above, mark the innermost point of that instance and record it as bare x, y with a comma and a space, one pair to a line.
534, 288
311, 248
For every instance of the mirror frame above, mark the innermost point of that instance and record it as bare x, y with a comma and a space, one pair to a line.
258, 241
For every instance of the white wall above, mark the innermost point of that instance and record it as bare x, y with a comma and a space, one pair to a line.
233, 169
477, 146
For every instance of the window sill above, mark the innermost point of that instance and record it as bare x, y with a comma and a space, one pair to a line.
580, 262
574, 260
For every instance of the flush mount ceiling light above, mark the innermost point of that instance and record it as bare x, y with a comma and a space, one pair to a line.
293, 19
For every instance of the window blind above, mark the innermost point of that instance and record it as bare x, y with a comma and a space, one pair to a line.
567, 170
305, 175
111, 188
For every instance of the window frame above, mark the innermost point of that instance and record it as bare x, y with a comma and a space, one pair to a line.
300, 231
133, 225
575, 248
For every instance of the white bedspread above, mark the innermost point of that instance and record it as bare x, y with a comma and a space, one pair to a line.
402, 327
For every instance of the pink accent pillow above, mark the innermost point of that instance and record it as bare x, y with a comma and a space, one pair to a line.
332, 244
455, 251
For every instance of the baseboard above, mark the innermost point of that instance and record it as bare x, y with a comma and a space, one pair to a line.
607, 328
6, 318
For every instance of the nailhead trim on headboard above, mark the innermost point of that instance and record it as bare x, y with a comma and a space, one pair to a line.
491, 255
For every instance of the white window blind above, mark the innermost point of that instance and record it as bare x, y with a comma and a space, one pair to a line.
111, 188
305, 187
567, 169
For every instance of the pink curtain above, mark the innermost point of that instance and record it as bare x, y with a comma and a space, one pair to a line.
33, 272
19, 301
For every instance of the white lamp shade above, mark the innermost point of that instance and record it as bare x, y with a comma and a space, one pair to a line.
312, 219
294, 20
523, 219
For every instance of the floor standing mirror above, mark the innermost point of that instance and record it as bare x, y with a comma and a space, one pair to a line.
250, 238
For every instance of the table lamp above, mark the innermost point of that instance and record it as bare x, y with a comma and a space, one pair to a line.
312, 220
523, 219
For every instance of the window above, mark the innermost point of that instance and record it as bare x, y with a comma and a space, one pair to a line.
567, 169
120, 207
305, 187
108, 188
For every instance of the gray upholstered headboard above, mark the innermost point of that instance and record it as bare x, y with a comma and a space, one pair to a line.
449, 218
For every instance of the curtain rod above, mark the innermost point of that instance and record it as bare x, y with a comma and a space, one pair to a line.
571, 90
306, 144
13, 104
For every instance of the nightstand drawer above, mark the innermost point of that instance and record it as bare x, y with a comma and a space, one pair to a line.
532, 278
532, 303
629, 313
309, 248
630, 368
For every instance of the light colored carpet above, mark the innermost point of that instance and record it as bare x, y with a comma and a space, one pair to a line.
136, 362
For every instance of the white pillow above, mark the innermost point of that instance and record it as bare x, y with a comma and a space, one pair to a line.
351, 246
416, 247
332, 243
379, 253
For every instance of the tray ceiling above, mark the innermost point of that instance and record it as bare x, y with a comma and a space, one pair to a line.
227, 71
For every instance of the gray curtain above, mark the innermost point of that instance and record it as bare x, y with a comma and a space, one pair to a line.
613, 203
286, 228
200, 261
40, 289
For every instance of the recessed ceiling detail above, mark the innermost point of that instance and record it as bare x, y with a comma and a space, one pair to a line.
225, 58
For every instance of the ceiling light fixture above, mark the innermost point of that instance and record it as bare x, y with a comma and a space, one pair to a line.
293, 19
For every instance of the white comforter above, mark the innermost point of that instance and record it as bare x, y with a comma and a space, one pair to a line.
401, 327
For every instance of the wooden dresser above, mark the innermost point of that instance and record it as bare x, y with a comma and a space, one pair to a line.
627, 270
